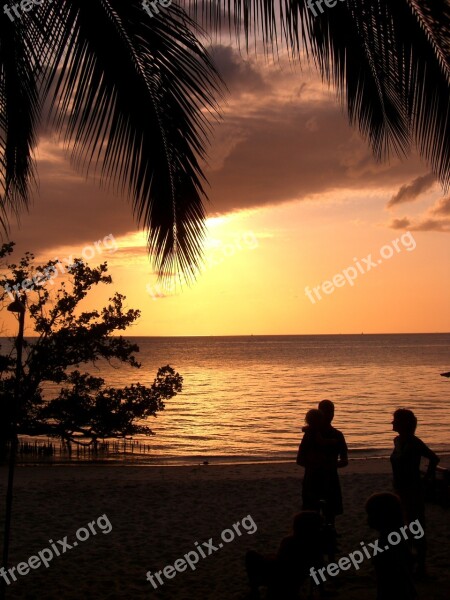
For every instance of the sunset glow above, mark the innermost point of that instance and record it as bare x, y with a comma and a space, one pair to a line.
295, 198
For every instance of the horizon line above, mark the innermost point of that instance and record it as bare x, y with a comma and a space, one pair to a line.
267, 335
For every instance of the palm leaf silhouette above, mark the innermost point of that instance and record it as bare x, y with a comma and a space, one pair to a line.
131, 93
126, 92
388, 59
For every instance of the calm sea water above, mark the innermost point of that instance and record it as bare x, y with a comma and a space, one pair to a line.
245, 398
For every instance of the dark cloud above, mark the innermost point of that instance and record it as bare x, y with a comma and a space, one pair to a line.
68, 210
442, 207
441, 225
292, 150
428, 221
238, 73
400, 223
411, 191
281, 139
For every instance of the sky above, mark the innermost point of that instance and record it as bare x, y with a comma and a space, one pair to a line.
307, 233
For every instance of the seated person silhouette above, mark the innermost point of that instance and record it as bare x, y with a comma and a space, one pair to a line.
393, 565
284, 572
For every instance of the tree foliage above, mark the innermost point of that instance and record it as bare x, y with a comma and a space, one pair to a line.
57, 398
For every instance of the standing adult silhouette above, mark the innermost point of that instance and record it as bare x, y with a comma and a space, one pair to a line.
405, 460
322, 451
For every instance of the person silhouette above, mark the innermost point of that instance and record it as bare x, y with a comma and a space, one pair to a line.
337, 454
322, 451
405, 461
284, 572
392, 562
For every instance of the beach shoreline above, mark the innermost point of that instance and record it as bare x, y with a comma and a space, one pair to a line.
144, 460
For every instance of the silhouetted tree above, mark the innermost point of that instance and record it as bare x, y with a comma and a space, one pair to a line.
56, 398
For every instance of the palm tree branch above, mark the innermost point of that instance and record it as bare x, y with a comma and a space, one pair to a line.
106, 93
19, 115
389, 61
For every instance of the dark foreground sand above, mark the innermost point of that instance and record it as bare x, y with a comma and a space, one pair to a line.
158, 513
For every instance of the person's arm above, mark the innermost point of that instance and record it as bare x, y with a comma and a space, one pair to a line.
343, 453
433, 459
300, 457
301, 454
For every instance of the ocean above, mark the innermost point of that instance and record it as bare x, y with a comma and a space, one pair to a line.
245, 398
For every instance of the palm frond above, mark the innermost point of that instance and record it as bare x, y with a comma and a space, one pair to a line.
389, 61
135, 95
19, 112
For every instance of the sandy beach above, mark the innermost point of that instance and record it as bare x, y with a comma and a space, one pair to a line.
158, 513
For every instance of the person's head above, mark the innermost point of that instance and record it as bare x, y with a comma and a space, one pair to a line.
307, 524
327, 408
384, 511
405, 421
315, 418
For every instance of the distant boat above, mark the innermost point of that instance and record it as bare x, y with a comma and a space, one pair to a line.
445, 374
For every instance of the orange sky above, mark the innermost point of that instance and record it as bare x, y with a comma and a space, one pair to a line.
296, 199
